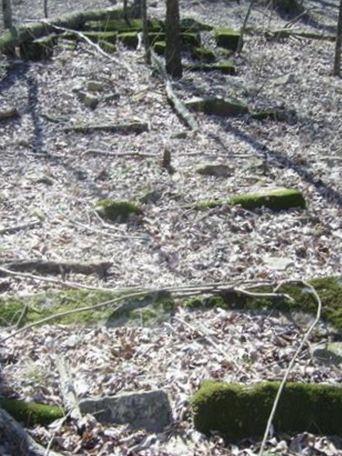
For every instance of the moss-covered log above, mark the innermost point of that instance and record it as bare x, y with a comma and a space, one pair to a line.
239, 411
224, 66
277, 199
329, 290
39, 49
76, 21
117, 211
227, 38
31, 413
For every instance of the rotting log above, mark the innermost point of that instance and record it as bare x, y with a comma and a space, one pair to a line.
17, 440
76, 21
240, 411
58, 267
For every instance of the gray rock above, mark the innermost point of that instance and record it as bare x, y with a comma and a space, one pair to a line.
95, 86
330, 353
89, 100
150, 410
215, 170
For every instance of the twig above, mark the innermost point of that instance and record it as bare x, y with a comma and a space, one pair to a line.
14, 229
288, 370
109, 153
59, 267
96, 46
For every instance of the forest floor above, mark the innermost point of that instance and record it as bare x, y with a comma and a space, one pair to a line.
49, 176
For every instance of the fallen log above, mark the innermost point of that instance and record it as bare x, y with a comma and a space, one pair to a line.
67, 388
125, 128
76, 21
13, 435
58, 267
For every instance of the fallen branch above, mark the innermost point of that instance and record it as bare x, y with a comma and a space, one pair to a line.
125, 128
95, 46
181, 110
17, 439
287, 33
14, 229
291, 364
57, 267
109, 153
68, 392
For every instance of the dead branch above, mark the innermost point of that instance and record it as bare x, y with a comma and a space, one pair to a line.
180, 108
125, 128
57, 267
67, 388
109, 153
95, 46
14, 229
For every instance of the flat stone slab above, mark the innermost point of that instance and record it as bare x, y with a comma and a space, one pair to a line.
150, 410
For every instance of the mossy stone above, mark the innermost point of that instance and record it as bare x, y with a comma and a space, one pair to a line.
108, 47
227, 38
117, 211
239, 411
191, 39
188, 24
136, 25
129, 39
329, 290
159, 47
40, 49
217, 106
224, 66
31, 413
156, 36
203, 54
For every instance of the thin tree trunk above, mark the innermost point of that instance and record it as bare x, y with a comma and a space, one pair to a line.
7, 13
338, 48
46, 14
173, 40
145, 32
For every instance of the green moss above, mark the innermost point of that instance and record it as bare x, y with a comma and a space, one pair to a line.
191, 39
116, 211
135, 25
39, 49
96, 37
150, 310
159, 47
31, 413
328, 288
203, 54
107, 47
238, 411
156, 36
227, 38
276, 200
129, 39
44, 305
224, 66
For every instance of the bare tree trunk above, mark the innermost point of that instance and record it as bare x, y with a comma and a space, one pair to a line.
7, 13
46, 14
145, 32
338, 48
173, 40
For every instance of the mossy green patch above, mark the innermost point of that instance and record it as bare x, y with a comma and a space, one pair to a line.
203, 54
43, 305
134, 25
129, 39
31, 413
329, 290
159, 47
149, 310
227, 38
276, 200
117, 211
224, 66
39, 49
239, 411
109, 37
191, 39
